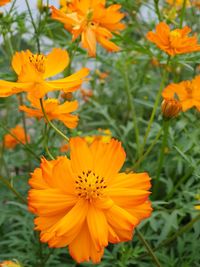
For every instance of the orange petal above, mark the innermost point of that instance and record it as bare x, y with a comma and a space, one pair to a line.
56, 62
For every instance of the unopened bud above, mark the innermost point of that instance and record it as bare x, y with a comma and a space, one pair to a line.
171, 108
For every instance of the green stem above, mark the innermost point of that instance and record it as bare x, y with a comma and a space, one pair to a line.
46, 138
5, 182
21, 102
156, 4
34, 26
156, 103
24, 145
132, 108
182, 13
180, 231
50, 123
148, 248
162, 154
136, 165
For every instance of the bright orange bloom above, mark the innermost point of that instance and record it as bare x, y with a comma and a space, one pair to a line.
93, 21
187, 92
173, 42
54, 111
34, 70
170, 108
85, 202
9, 264
10, 141
4, 2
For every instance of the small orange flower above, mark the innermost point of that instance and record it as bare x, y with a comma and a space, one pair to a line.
187, 92
64, 148
170, 108
9, 264
33, 71
10, 141
54, 111
173, 42
86, 94
93, 21
104, 135
4, 2
179, 3
84, 202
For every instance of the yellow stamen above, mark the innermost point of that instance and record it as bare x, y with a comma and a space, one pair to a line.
175, 33
38, 61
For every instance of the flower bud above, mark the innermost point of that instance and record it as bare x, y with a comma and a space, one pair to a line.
170, 108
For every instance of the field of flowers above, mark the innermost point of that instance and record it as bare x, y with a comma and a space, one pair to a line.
99, 133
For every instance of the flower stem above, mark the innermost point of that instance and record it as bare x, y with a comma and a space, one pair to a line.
13, 190
156, 103
148, 248
136, 165
132, 108
182, 13
51, 124
27, 147
46, 137
23, 118
34, 26
156, 3
162, 154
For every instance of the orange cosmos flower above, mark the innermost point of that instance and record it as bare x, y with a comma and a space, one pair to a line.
54, 111
9, 264
93, 21
173, 42
84, 202
187, 91
4, 2
10, 141
33, 71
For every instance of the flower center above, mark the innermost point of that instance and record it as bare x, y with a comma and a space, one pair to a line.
90, 185
175, 33
38, 61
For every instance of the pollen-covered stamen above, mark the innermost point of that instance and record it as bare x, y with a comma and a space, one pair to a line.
38, 61
175, 33
90, 185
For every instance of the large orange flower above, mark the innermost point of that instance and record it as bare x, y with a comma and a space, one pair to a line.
4, 2
85, 202
54, 111
10, 141
173, 42
93, 21
187, 91
33, 71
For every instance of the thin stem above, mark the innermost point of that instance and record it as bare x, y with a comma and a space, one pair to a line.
156, 5
180, 231
132, 108
51, 124
34, 26
148, 248
162, 154
136, 165
25, 146
46, 138
156, 103
13, 4
23, 118
182, 13
21, 198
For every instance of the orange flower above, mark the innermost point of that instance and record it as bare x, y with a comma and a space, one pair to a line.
54, 111
9, 264
187, 91
178, 3
173, 42
85, 202
86, 94
10, 141
170, 108
4, 2
64, 148
33, 71
93, 21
